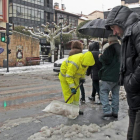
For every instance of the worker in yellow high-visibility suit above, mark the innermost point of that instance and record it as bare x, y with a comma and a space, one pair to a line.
72, 70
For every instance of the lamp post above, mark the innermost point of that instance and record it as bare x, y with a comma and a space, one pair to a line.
61, 40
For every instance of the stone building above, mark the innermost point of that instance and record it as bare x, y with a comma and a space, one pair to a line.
26, 45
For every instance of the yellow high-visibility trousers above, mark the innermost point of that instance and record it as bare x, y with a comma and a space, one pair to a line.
67, 92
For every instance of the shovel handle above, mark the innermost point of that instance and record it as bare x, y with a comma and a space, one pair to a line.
72, 93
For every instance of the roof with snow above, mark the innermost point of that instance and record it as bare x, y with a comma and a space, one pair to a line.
84, 18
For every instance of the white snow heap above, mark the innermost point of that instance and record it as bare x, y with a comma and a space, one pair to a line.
113, 131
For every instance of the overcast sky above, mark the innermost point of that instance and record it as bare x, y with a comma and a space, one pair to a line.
88, 6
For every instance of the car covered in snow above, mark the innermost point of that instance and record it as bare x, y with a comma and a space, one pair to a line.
57, 63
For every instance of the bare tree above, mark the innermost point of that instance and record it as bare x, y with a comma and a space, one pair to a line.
52, 35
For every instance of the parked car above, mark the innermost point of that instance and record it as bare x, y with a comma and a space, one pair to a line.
57, 63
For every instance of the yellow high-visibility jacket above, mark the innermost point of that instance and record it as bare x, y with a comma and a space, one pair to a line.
72, 69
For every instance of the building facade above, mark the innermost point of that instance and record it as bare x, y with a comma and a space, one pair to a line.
95, 14
68, 17
30, 13
3, 14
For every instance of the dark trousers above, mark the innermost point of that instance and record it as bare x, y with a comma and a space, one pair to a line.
82, 92
95, 87
134, 125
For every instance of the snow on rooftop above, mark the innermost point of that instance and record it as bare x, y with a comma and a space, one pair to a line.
84, 18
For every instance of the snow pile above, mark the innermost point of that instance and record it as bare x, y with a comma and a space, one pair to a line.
14, 123
25, 69
69, 110
113, 131
66, 132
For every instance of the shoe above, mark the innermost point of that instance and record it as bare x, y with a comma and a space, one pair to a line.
115, 115
81, 113
91, 98
107, 115
81, 100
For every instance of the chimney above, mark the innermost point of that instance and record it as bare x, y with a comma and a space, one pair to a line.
81, 14
63, 7
56, 5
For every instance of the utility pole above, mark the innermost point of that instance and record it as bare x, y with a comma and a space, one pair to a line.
8, 32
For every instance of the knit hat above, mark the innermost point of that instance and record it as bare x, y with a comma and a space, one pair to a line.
112, 38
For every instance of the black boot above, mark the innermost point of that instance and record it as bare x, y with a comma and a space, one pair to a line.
91, 98
81, 113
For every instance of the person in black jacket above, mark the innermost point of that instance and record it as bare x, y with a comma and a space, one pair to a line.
93, 70
125, 23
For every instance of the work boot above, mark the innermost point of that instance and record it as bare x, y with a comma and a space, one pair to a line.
81, 100
91, 98
107, 115
81, 113
115, 115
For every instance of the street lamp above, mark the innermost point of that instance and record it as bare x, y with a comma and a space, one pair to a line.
61, 40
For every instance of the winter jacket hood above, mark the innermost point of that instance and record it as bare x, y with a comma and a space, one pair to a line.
121, 16
88, 59
94, 46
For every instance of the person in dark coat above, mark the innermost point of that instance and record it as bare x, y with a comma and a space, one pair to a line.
93, 70
109, 75
126, 24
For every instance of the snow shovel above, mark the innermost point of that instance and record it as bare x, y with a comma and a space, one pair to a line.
70, 111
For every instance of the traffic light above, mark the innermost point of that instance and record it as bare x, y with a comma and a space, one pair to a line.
2, 37
9, 29
9, 51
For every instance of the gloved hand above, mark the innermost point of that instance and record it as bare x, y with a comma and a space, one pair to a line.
82, 81
73, 90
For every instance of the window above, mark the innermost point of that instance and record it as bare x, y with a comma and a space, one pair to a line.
29, 14
26, 13
22, 12
18, 13
38, 15
14, 10
10, 11
42, 2
33, 14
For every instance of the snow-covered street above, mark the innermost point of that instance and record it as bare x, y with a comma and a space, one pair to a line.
26, 91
